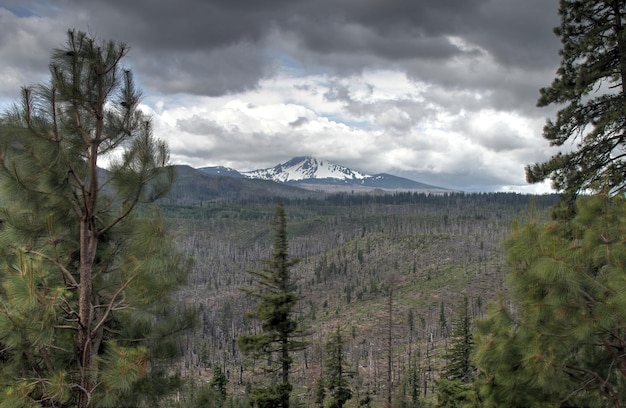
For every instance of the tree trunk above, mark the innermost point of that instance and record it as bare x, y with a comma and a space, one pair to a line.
285, 368
85, 315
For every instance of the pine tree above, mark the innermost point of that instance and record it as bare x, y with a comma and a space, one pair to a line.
279, 337
336, 376
563, 342
455, 387
590, 85
459, 366
218, 384
85, 317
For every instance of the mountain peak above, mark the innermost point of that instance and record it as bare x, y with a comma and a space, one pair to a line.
310, 173
306, 168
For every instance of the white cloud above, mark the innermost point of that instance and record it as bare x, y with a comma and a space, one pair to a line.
379, 122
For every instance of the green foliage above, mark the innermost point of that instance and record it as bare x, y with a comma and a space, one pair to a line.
459, 366
219, 382
271, 396
335, 379
562, 342
208, 397
456, 394
214, 395
320, 391
86, 317
590, 89
275, 311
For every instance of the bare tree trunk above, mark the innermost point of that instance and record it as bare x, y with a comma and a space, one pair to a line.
286, 366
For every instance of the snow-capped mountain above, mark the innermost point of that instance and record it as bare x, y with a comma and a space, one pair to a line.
306, 168
321, 175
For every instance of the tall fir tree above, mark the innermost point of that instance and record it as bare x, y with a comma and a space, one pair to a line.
459, 366
563, 342
590, 89
455, 388
85, 316
280, 336
336, 377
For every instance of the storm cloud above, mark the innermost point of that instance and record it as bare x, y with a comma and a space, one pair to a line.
442, 92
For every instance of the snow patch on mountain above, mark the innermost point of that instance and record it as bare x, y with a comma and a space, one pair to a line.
221, 171
306, 168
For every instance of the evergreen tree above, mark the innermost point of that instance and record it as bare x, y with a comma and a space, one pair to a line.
86, 317
455, 387
459, 366
214, 395
414, 384
563, 343
279, 330
336, 376
591, 88
319, 391
218, 383
456, 394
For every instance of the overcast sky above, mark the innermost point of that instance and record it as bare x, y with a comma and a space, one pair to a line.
440, 91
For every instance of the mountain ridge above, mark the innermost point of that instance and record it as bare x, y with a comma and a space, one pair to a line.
311, 173
305, 168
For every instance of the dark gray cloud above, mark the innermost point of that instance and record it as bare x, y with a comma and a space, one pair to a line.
224, 41
453, 60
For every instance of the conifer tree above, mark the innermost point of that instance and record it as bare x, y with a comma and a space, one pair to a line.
219, 382
455, 387
590, 86
335, 378
279, 337
319, 392
563, 343
85, 315
459, 366
213, 396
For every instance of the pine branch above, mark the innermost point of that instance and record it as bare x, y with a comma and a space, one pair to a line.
112, 305
66, 273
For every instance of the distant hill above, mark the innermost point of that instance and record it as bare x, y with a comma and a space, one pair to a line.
379, 182
196, 185
222, 171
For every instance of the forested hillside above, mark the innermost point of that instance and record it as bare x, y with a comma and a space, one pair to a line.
379, 268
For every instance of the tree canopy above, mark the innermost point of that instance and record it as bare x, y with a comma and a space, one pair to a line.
561, 340
590, 90
563, 343
86, 314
